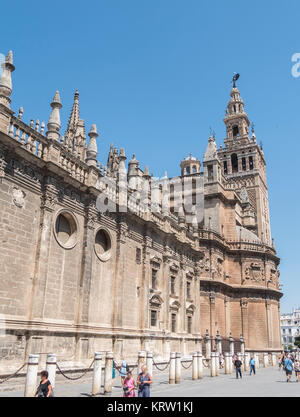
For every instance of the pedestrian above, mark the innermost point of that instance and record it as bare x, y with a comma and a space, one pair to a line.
129, 386
144, 381
297, 369
123, 370
288, 366
45, 388
221, 361
238, 366
279, 364
252, 365
114, 370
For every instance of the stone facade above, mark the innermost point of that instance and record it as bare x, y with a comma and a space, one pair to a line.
75, 279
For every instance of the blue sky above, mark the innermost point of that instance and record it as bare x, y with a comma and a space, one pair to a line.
154, 75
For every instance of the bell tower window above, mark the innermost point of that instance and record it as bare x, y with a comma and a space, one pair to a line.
225, 167
234, 162
251, 162
244, 164
235, 131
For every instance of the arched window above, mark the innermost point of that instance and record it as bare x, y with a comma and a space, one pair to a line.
235, 131
251, 162
234, 162
194, 169
187, 170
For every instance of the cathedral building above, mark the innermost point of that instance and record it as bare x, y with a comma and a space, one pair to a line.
109, 258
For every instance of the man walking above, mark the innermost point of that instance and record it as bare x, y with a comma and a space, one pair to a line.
238, 368
252, 365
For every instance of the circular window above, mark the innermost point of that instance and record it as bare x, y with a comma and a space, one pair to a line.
65, 229
103, 245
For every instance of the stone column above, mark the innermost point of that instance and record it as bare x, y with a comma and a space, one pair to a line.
51, 368
242, 345
274, 359
212, 364
245, 321
228, 363
141, 360
172, 368
97, 373
31, 376
266, 359
212, 300
195, 366
108, 372
200, 365
178, 368
149, 362
207, 345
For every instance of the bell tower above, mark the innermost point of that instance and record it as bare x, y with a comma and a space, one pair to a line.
243, 163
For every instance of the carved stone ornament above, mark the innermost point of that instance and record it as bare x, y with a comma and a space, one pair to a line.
254, 272
18, 197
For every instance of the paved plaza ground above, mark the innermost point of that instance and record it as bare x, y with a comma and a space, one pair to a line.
268, 382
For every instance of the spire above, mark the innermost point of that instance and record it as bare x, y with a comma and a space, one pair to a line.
74, 117
211, 153
92, 149
5, 79
54, 119
146, 172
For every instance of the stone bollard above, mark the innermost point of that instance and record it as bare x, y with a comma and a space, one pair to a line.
141, 360
177, 368
200, 365
172, 368
207, 345
217, 361
97, 373
195, 366
109, 357
228, 362
274, 359
212, 364
51, 368
266, 359
31, 376
247, 359
149, 362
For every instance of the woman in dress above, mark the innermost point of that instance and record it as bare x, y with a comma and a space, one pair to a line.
144, 381
129, 386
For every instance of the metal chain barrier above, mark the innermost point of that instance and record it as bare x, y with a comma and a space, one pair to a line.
12, 375
157, 367
186, 367
206, 363
76, 377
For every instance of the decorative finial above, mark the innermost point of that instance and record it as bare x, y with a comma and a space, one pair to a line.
5, 80
20, 115
92, 149
54, 119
